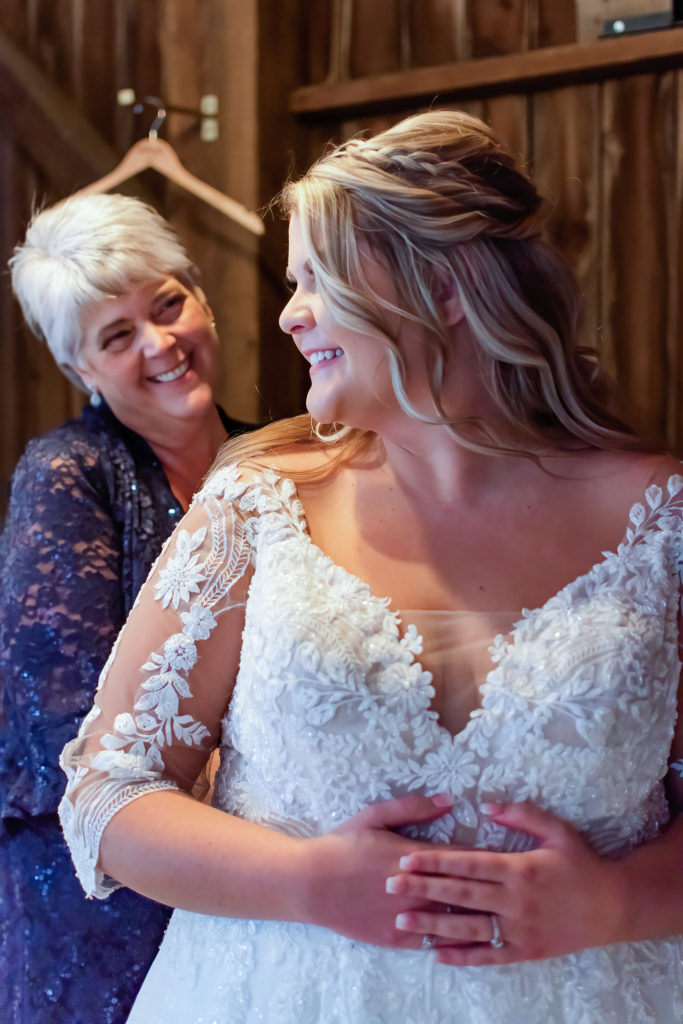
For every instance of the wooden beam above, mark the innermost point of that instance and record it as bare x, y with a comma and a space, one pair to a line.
49, 125
532, 71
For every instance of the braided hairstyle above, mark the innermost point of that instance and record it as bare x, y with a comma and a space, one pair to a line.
442, 206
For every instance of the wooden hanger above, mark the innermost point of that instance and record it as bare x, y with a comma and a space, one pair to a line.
156, 154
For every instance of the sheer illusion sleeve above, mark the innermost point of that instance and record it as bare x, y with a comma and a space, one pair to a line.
168, 681
61, 606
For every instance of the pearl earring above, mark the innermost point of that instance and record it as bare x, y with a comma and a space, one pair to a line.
95, 398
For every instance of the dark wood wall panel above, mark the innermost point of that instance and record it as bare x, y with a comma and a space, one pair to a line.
634, 238
674, 431
566, 162
88, 50
438, 32
499, 26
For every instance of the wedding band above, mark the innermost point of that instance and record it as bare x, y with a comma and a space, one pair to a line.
428, 942
496, 940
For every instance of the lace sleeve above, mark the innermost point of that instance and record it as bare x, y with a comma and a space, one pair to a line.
164, 691
60, 608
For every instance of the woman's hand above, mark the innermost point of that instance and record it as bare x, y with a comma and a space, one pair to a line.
551, 901
344, 873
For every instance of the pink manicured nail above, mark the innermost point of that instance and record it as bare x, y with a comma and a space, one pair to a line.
402, 923
405, 862
391, 885
443, 800
491, 809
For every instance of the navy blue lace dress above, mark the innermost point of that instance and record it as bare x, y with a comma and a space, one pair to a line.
89, 511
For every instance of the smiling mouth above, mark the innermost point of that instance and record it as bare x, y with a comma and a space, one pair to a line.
320, 356
165, 378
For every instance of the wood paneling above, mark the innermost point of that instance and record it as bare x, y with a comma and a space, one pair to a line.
530, 71
61, 62
566, 156
634, 243
498, 26
438, 31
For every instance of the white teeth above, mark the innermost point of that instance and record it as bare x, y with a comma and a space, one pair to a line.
328, 353
164, 378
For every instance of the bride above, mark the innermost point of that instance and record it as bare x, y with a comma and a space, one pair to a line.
435, 639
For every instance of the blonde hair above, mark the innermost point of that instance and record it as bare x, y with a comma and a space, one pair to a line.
86, 249
437, 200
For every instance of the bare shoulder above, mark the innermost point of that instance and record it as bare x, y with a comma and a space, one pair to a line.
623, 472
298, 460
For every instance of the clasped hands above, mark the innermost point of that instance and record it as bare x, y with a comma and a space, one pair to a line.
556, 899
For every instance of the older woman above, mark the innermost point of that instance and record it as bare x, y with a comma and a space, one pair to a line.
475, 471
108, 285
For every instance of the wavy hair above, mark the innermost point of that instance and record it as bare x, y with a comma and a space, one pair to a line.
441, 205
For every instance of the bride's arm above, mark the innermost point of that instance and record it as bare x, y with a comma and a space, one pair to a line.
128, 813
179, 851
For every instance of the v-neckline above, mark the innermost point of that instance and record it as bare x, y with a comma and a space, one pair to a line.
527, 614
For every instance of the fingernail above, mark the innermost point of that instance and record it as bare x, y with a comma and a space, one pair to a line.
391, 885
443, 800
405, 863
402, 923
490, 809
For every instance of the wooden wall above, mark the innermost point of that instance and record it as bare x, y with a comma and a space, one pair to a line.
606, 149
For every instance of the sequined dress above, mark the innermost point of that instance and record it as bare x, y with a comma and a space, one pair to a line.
331, 711
89, 511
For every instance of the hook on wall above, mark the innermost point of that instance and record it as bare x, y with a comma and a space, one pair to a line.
207, 112
158, 120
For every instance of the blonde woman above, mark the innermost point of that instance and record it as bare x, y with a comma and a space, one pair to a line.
326, 611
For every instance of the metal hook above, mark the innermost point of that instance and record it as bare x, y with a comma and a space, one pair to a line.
158, 120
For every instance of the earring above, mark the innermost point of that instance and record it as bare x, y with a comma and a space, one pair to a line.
95, 398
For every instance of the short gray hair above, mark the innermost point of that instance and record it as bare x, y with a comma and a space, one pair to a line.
85, 249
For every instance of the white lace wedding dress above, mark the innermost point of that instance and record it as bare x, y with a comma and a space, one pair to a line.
331, 711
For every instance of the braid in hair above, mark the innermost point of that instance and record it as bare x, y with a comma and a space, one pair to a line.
440, 203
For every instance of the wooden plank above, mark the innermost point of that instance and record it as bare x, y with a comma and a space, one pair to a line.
634, 240
503, 27
318, 40
48, 124
533, 71
509, 118
375, 37
97, 64
11, 439
498, 26
439, 31
14, 20
591, 15
52, 49
566, 157
674, 339
555, 22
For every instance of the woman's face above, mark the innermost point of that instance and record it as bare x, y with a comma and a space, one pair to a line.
350, 375
152, 353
